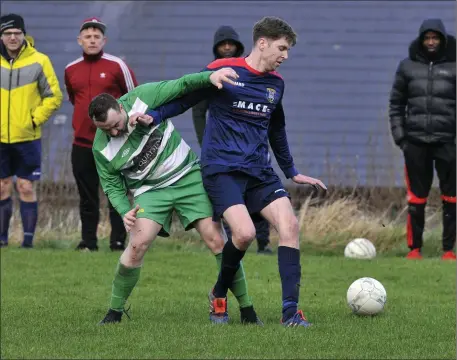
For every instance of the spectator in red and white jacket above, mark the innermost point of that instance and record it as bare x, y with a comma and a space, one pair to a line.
94, 73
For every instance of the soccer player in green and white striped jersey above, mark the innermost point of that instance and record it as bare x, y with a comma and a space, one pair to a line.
153, 162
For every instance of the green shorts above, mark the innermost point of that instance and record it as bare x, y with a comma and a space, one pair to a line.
187, 197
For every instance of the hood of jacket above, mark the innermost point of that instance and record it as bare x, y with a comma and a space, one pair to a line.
30, 40
225, 33
448, 46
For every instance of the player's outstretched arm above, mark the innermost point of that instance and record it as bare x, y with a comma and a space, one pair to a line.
112, 184
280, 146
176, 107
159, 93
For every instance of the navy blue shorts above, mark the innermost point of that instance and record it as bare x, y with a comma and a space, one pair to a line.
236, 187
21, 159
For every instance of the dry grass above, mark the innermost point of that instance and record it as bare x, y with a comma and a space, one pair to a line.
56, 224
333, 224
326, 224
58, 218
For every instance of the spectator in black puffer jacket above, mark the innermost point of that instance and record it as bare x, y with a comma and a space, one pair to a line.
423, 124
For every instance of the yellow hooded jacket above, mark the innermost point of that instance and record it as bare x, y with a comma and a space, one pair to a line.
30, 93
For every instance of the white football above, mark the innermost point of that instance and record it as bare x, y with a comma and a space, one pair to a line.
360, 249
366, 296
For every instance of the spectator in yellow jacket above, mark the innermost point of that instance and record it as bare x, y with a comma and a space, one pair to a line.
30, 93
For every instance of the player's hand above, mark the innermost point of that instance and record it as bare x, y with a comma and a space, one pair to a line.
130, 218
140, 118
223, 75
302, 179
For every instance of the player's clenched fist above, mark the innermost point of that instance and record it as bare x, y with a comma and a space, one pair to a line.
130, 218
140, 118
227, 75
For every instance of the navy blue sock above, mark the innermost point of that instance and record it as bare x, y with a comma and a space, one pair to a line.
290, 272
6, 210
29, 215
231, 258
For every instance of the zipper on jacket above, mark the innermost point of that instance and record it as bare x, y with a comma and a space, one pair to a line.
429, 95
9, 99
90, 85
9, 90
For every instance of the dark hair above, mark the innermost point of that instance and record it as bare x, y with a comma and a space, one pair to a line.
274, 28
100, 105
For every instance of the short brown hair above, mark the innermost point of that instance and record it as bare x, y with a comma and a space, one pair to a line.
274, 28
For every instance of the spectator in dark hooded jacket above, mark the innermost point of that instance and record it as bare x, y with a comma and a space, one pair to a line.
423, 124
227, 44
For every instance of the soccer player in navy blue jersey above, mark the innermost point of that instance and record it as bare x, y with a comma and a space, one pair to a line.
237, 175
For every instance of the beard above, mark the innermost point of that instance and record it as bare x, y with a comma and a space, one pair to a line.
123, 131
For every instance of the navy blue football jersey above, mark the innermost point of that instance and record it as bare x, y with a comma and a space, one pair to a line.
242, 120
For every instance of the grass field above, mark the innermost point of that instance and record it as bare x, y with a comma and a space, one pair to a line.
51, 301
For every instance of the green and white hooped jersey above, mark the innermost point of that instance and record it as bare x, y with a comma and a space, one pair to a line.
150, 158
145, 158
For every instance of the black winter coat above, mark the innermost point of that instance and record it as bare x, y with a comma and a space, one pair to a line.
422, 100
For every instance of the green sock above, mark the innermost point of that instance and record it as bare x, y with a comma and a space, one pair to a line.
239, 286
124, 281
